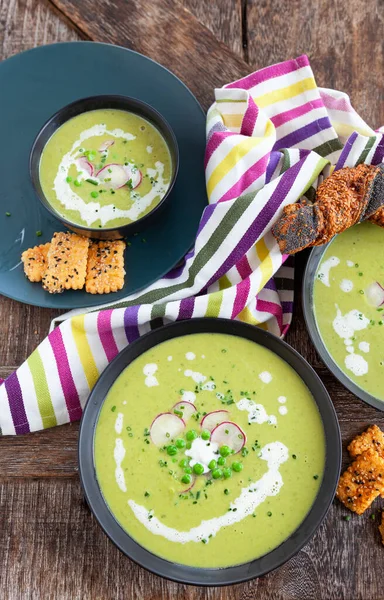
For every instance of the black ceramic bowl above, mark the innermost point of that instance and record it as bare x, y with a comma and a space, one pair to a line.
182, 573
93, 103
310, 320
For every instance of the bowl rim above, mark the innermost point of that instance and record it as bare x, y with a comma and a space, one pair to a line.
210, 576
35, 155
311, 324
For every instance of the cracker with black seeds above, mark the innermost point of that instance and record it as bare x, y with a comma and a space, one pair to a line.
362, 482
105, 267
67, 263
35, 262
372, 437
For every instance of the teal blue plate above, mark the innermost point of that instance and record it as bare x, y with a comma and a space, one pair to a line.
34, 85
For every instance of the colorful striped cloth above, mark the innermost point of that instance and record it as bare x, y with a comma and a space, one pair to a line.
271, 137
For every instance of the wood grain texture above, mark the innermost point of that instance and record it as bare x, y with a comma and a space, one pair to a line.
224, 19
25, 24
50, 545
186, 47
343, 40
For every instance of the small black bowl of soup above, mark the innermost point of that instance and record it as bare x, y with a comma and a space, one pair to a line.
209, 451
105, 165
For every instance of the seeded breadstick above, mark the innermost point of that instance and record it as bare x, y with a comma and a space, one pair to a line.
362, 482
105, 268
35, 261
67, 263
381, 527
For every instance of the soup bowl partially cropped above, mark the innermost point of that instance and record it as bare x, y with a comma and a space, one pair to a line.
105, 165
209, 451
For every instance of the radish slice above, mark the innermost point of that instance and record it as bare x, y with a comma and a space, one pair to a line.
134, 175
375, 294
165, 428
189, 488
113, 176
213, 419
85, 165
105, 145
186, 408
230, 434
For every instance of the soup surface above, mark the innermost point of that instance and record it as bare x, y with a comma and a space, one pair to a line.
347, 297
178, 489
105, 168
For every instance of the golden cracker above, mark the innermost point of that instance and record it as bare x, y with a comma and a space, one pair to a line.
67, 263
372, 437
362, 482
35, 261
105, 267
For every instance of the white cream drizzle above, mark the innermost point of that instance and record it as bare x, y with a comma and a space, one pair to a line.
188, 396
119, 423
169, 358
324, 269
364, 346
92, 211
119, 453
149, 371
245, 504
350, 263
202, 452
149, 149
210, 386
283, 410
190, 356
256, 412
345, 327
346, 285
265, 377
195, 375
282, 399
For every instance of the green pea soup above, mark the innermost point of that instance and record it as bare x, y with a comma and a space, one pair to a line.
105, 168
191, 499
350, 323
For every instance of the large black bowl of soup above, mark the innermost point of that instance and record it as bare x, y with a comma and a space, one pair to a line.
209, 451
105, 165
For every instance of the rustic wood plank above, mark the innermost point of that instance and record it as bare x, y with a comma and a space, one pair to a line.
191, 51
224, 19
48, 527
344, 45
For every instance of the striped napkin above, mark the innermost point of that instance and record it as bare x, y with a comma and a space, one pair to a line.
271, 138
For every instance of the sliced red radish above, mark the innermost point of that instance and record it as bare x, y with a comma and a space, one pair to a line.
113, 176
105, 145
213, 419
135, 176
85, 165
229, 434
188, 489
375, 294
165, 428
186, 408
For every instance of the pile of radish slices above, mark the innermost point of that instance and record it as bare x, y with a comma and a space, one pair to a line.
204, 452
375, 294
113, 175
169, 425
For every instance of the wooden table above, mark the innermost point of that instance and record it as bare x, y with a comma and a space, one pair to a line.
50, 546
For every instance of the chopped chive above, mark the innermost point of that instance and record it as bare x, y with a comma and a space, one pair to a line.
7, 214
347, 517
113, 408
39, 233
92, 181
68, 179
94, 194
